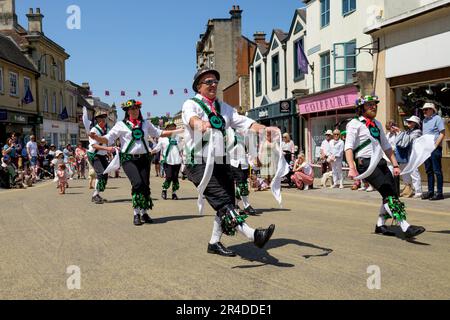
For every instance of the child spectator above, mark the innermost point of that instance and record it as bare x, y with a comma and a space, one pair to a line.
62, 178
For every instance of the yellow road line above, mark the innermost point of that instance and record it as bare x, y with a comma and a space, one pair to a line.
365, 204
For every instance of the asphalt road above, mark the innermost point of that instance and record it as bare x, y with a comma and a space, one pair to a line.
323, 248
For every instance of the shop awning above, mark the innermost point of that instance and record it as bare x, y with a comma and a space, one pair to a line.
334, 99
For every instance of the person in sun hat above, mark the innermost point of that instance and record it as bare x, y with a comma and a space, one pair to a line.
434, 125
363, 134
172, 159
403, 150
205, 116
133, 133
98, 156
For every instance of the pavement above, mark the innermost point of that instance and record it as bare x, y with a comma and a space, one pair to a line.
323, 248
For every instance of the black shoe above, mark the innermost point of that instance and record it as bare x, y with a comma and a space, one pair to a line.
174, 196
250, 211
97, 200
263, 235
437, 197
137, 220
414, 231
427, 196
220, 249
146, 219
103, 199
384, 231
164, 194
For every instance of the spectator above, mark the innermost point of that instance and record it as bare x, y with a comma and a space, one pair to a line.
325, 151
80, 156
433, 124
404, 144
42, 149
288, 148
267, 161
15, 156
68, 152
392, 132
32, 152
303, 176
52, 152
335, 159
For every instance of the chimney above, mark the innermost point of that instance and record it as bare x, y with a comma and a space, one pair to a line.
35, 21
8, 17
260, 38
236, 12
86, 85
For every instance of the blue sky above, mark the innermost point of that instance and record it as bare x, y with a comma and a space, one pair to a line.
145, 45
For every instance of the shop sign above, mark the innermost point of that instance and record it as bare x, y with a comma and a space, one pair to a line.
19, 118
55, 126
263, 114
341, 99
285, 107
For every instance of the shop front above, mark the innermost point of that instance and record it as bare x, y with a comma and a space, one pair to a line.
61, 133
282, 115
324, 111
24, 124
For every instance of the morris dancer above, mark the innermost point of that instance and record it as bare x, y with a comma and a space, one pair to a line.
201, 114
172, 159
97, 156
362, 133
133, 133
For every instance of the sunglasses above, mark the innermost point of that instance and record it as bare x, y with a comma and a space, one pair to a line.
209, 83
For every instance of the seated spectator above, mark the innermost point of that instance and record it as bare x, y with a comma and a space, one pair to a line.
303, 176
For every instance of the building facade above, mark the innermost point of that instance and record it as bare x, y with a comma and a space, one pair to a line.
413, 64
18, 92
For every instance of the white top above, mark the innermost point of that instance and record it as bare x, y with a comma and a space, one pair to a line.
306, 167
357, 134
337, 148
232, 120
174, 157
122, 132
238, 156
288, 146
32, 148
98, 131
325, 148
392, 138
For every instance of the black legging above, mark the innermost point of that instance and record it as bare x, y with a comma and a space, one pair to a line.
138, 172
220, 191
381, 179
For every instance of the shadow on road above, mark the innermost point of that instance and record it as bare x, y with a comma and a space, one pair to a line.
261, 211
441, 232
248, 252
174, 218
186, 199
400, 235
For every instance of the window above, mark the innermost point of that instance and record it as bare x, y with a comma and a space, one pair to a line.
324, 13
61, 103
325, 71
258, 81
73, 139
44, 65
46, 101
275, 72
344, 62
348, 6
1, 80
13, 84
60, 72
54, 103
26, 84
298, 75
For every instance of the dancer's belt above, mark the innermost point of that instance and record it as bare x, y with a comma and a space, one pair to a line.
138, 156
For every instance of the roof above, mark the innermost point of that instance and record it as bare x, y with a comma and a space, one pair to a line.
281, 35
10, 52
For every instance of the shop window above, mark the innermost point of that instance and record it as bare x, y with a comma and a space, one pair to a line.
324, 13
348, 6
325, 77
298, 75
73, 139
344, 62
13, 84
258, 81
1, 80
276, 72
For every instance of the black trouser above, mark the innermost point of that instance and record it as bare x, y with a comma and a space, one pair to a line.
138, 172
100, 164
381, 179
172, 172
220, 190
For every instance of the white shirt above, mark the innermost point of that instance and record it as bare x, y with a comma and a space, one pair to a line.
122, 132
290, 147
325, 148
337, 148
174, 156
392, 138
238, 156
98, 131
307, 169
232, 120
32, 148
358, 133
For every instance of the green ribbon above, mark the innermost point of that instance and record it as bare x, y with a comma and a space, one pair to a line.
142, 202
397, 208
